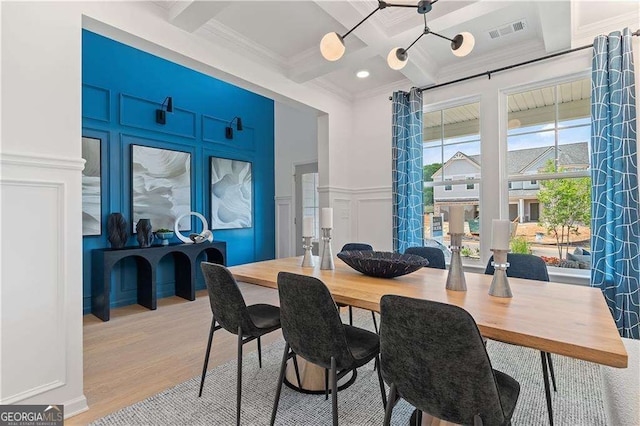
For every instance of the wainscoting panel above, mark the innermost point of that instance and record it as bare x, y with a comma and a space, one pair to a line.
96, 103
374, 222
33, 334
140, 113
285, 243
213, 131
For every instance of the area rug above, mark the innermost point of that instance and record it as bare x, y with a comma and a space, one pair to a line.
578, 400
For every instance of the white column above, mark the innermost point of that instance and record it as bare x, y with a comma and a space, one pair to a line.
521, 210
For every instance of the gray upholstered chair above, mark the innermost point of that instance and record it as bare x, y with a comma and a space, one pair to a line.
434, 255
433, 357
358, 247
231, 313
530, 267
313, 330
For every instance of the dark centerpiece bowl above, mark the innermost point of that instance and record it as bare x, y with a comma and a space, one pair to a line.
382, 264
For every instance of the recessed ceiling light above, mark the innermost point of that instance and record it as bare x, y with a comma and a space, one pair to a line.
362, 74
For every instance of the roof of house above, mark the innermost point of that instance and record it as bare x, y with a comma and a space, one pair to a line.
520, 160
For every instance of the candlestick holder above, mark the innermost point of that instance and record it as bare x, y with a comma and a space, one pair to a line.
500, 283
307, 260
326, 262
455, 279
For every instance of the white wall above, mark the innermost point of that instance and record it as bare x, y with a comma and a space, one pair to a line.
296, 142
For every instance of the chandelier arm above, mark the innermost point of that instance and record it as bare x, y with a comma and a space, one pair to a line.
441, 36
416, 40
381, 5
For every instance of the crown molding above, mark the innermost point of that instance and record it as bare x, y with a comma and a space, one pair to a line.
244, 45
583, 34
325, 84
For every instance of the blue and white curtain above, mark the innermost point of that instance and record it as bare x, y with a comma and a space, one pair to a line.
408, 209
615, 230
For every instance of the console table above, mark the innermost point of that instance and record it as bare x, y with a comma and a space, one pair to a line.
147, 259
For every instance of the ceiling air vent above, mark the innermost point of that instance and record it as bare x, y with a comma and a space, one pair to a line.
511, 28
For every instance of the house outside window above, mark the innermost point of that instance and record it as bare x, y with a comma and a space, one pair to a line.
548, 138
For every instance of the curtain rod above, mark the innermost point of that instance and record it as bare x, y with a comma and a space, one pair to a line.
497, 70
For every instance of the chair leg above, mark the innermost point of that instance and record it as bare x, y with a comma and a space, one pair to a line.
547, 391
375, 323
239, 378
334, 390
418, 417
553, 375
206, 355
283, 366
382, 390
390, 404
326, 384
295, 367
350, 315
259, 354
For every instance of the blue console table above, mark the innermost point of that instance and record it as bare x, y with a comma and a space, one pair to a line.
147, 259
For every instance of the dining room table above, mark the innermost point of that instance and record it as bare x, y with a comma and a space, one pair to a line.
563, 319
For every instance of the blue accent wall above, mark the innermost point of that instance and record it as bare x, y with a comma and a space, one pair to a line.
122, 87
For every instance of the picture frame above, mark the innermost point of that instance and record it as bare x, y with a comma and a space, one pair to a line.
160, 187
231, 192
92, 187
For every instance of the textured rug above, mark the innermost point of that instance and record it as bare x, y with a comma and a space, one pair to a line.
577, 402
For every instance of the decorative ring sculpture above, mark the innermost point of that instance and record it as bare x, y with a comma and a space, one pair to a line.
205, 235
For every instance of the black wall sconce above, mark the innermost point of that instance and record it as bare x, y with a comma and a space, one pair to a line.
161, 114
229, 130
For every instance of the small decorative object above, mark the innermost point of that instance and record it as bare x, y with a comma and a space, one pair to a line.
144, 231
117, 230
91, 187
165, 235
382, 264
205, 235
307, 235
500, 243
455, 279
326, 223
231, 190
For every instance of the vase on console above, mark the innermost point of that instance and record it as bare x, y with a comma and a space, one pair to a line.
144, 231
117, 230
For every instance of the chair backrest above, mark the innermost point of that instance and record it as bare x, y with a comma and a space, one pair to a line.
227, 304
434, 354
434, 255
311, 321
357, 246
525, 266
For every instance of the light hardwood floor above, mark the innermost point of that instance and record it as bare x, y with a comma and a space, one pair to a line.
140, 353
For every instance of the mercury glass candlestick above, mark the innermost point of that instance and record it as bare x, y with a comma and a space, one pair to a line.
455, 279
307, 260
500, 283
326, 262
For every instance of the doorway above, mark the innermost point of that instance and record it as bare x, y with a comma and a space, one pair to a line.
307, 202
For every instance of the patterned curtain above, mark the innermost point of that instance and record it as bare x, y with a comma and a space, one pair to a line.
408, 208
615, 230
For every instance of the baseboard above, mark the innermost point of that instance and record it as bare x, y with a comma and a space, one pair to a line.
75, 406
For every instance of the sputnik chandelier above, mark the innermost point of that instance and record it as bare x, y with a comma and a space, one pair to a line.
332, 44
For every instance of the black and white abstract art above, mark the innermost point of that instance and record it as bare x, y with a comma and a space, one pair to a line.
160, 186
91, 183
231, 194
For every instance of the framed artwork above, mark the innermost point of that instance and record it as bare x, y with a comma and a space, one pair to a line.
231, 194
91, 187
160, 186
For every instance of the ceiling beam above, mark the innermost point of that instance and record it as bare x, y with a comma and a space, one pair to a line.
191, 15
312, 65
553, 22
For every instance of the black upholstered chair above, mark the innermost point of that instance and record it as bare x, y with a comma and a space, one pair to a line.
358, 247
433, 357
313, 330
530, 267
231, 313
434, 255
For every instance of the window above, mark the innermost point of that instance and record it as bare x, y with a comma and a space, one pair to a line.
548, 136
310, 201
451, 154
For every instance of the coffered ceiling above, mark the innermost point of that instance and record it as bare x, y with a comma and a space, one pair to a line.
285, 36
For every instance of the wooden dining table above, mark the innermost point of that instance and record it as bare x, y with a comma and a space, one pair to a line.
562, 319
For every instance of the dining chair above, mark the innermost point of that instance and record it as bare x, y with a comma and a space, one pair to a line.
530, 267
434, 255
358, 247
433, 357
313, 330
231, 313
